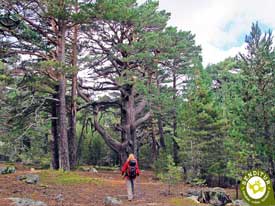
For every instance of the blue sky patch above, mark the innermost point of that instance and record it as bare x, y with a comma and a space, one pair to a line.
241, 38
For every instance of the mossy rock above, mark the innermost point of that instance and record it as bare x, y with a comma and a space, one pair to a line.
29, 178
7, 170
184, 201
214, 196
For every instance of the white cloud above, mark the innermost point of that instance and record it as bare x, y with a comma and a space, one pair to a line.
219, 25
212, 54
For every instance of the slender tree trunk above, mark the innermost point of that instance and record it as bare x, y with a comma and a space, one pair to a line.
175, 145
80, 141
64, 162
73, 110
54, 141
160, 123
154, 141
161, 134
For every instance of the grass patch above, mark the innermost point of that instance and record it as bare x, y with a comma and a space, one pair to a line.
65, 178
183, 201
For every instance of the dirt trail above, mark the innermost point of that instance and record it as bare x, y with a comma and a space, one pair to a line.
90, 193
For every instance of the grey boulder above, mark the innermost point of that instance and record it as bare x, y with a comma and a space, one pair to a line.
29, 178
111, 201
214, 196
26, 202
238, 203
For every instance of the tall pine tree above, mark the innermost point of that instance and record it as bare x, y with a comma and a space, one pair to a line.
202, 130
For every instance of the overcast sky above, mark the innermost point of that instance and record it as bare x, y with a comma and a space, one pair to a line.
220, 25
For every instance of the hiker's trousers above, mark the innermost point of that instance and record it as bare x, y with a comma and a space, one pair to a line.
130, 188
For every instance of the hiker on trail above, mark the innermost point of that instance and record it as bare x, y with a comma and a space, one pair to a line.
130, 170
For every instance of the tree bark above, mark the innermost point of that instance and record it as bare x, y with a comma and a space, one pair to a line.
161, 134
54, 141
123, 154
175, 145
130, 118
73, 109
154, 141
80, 141
160, 123
64, 162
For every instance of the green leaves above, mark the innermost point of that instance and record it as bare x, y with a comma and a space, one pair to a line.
57, 66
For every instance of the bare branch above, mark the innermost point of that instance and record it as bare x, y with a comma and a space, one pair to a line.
112, 143
140, 106
142, 119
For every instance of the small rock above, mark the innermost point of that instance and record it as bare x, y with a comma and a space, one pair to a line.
111, 201
29, 178
44, 186
26, 202
194, 198
164, 193
16, 191
192, 192
85, 169
7, 170
93, 170
240, 203
59, 198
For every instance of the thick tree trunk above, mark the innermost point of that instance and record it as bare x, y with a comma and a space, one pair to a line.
54, 141
122, 157
73, 109
130, 121
123, 153
64, 162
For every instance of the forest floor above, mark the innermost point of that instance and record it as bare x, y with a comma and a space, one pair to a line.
86, 188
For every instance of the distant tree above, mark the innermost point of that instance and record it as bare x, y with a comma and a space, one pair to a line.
258, 86
177, 58
226, 88
202, 131
171, 175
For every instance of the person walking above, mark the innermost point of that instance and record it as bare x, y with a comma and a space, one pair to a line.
130, 171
